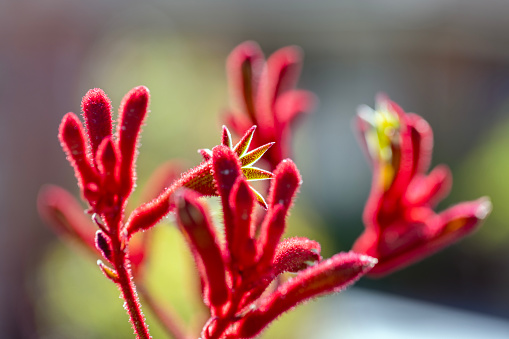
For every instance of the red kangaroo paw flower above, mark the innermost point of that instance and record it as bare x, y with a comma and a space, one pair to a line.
264, 94
196, 225
329, 276
96, 108
401, 226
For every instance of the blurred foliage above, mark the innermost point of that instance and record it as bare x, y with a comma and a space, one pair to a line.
484, 172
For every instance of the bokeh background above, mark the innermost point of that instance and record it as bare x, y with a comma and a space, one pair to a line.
446, 60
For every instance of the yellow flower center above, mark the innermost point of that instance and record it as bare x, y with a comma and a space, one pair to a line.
380, 138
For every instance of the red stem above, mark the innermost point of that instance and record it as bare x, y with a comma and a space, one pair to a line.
125, 282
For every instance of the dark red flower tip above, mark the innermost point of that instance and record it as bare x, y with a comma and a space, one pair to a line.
195, 224
132, 113
295, 254
286, 183
329, 276
96, 108
72, 137
103, 244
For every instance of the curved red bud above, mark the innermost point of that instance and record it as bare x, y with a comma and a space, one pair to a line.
149, 214
72, 138
295, 254
195, 223
132, 113
226, 169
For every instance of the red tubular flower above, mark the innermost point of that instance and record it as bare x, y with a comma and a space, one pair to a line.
247, 263
264, 94
401, 225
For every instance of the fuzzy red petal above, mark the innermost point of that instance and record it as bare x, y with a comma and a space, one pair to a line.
330, 276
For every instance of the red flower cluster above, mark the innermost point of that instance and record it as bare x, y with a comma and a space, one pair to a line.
401, 225
264, 94
104, 165
236, 275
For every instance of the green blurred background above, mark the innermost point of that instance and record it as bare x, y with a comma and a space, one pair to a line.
445, 60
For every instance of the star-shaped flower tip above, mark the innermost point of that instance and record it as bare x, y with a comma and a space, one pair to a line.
247, 158
201, 178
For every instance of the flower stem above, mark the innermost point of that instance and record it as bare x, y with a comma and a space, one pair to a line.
120, 261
